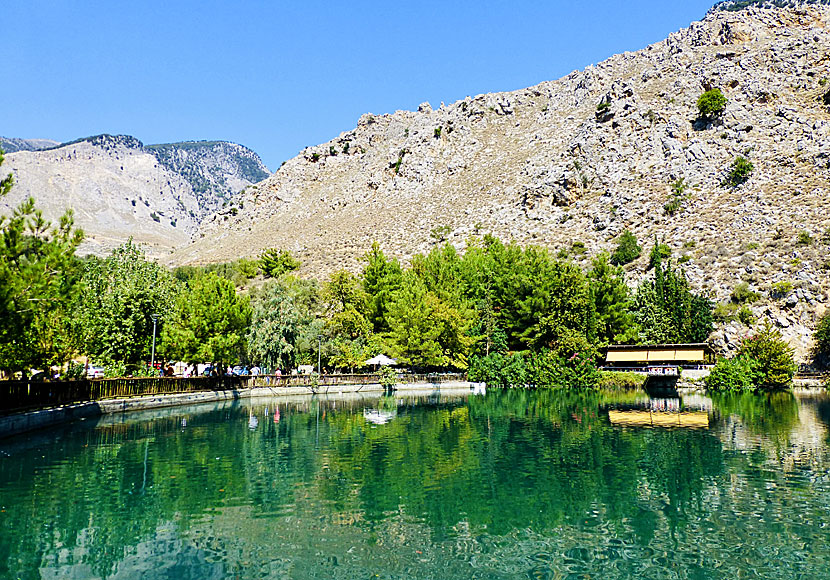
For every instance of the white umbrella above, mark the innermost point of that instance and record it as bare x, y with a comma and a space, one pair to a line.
381, 360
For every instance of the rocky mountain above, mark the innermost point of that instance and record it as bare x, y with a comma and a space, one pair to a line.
619, 145
119, 187
10, 145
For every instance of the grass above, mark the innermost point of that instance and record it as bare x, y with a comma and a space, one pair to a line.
620, 380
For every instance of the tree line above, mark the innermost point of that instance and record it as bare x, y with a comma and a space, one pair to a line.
508, 314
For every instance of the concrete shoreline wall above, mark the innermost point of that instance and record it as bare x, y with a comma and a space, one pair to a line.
33, 420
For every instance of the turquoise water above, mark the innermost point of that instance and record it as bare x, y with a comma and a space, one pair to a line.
514, 484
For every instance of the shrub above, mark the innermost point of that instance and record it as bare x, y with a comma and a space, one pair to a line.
276, 262
437, 132
711, 104
627, 249
659, 253
739, 172
746, 316
732, 374
387, 377
498, 370
620, 380
578, 248
781, 289
155, 217
776, 365
821, 349
804, 238
552, 369
603, 106
440, 233
677, 198
741, 294
725, 312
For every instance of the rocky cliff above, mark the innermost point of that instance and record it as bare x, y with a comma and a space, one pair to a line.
119, 187
585, 157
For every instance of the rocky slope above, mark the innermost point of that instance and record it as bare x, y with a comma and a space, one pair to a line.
120, 188
585, 157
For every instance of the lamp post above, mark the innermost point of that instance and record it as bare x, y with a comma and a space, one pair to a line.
155, 318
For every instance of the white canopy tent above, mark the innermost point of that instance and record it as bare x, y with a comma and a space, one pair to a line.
381, 360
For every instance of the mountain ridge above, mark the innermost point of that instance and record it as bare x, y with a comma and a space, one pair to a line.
120, 188
583, 158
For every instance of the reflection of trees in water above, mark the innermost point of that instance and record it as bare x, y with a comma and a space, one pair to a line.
510, 460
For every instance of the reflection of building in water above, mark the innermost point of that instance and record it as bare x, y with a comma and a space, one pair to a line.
649, 418
691, 412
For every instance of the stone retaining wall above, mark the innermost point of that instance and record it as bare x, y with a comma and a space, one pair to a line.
32, 420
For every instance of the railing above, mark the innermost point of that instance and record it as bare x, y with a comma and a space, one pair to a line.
25, 395
311, 381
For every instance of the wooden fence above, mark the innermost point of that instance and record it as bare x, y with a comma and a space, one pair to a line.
18, 396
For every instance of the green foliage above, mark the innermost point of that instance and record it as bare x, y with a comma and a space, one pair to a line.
544, 369
678, 196
659, 252
609, 380
381, 278
155, 217
668, 312
238, 271
7, 181
275, 262
821, 337
426, 330
387, 377
611, 302
627, 249
735, 374
711, 104
725, 312
38, 279
437, 132
275, 328
208, 322
746, 316
440, 233
397, 166
804, 238
774, 357
551, 369
738, 172
741, 294
603, 106
499, 370
118, 298
781, 288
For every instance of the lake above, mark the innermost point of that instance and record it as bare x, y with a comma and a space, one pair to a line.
511, 484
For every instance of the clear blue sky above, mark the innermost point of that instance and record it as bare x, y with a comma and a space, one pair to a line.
279, 76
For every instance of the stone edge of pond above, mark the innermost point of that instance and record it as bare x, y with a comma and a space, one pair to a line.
18, 423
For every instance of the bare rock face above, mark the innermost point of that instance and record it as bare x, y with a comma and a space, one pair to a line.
584, 158
118, 188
